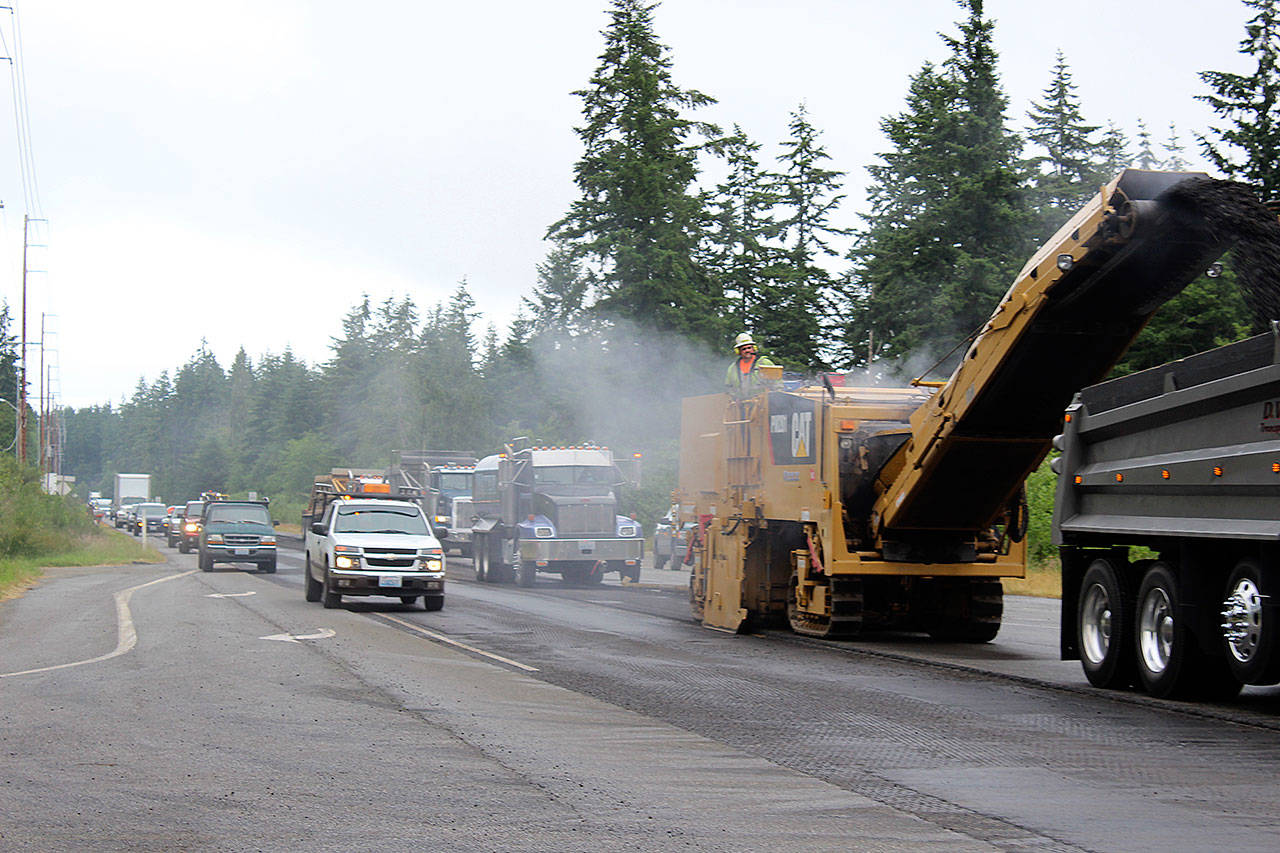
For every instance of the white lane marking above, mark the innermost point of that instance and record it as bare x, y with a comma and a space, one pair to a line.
126, 636
229, 594
320, 634
443, 639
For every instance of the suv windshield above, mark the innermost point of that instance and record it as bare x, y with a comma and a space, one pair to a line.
380, 519
194, 508
240, 514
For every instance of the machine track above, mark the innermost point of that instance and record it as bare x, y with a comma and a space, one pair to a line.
846, 611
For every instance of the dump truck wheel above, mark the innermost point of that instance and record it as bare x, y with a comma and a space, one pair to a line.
478, 561
1170, 662
1250, 625
526, 573
1104, 626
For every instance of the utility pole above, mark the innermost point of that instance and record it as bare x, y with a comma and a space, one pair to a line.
42, 416
22, 381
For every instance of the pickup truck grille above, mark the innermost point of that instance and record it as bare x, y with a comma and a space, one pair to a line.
391, 558
241, 539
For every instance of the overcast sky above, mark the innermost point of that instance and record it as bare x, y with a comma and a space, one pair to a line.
242, 171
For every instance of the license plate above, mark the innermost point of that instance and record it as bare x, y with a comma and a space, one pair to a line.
388, 580
240, 552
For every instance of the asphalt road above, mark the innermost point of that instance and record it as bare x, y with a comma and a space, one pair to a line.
221, 711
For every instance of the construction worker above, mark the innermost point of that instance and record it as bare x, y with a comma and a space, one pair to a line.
743, 377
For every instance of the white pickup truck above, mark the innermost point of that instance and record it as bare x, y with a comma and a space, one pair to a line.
373, 546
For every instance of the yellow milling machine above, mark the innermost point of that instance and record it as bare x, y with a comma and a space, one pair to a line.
839, 510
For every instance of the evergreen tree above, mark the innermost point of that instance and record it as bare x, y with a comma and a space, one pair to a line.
948, 224
1113, 155
638, 219
1147, 158
797, 293
1062, 175
1174, 148
738, 246
1247, 148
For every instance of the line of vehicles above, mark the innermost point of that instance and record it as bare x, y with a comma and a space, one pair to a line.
839, 511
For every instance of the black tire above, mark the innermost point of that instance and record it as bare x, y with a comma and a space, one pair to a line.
526, 573
408, 599
1250, 624
328, 598
631, 573
433, 602
1104, 626
969, 610
206, 562
270, 568
1170, 663
313, 587
660, 560
479, 559
183, 546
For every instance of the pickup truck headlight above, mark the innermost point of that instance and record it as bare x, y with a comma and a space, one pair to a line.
432, 565
214, 539
267, 540
342, 561
627, 530
542, 531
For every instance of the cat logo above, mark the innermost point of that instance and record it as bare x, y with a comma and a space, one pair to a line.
801, 434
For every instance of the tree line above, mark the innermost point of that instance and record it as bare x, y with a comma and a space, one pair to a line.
651, 271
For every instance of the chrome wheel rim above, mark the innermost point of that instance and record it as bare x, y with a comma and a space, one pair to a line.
1155, 631
1242, 620
1095, 624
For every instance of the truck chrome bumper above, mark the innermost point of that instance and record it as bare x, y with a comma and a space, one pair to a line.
546, 550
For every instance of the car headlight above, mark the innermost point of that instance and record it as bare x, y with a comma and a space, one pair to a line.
627, 530
191, 527
214, 539
342, 561
442, 519
543, 532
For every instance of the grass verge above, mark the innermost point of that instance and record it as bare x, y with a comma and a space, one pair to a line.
101, 547
1043, 580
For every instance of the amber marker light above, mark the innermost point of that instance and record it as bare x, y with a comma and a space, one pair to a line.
1119, 478
1217, 470
1079, 480
1068, 418
1275, 467
1164, 474
848, 426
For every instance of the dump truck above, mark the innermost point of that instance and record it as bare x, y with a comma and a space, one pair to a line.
553, 510
443, 476
1182, 460
839, 510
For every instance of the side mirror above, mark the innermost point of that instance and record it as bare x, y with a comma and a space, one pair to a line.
275, 523
317, 528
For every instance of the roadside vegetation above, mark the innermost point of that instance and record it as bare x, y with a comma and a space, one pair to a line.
39, 530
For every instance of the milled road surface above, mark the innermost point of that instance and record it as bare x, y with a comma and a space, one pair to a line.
580, 719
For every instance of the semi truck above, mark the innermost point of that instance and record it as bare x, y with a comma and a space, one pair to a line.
553, 510
1168, 521
129, 489
838, 509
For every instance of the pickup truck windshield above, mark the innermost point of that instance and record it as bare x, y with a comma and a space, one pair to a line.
353, 519
240, 514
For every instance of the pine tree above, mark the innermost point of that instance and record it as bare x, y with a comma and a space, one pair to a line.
1174, 148
638, 221
1063, 174
738, 246
1247, 148
1113, 155
949, 222
797, 292
1147, 158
